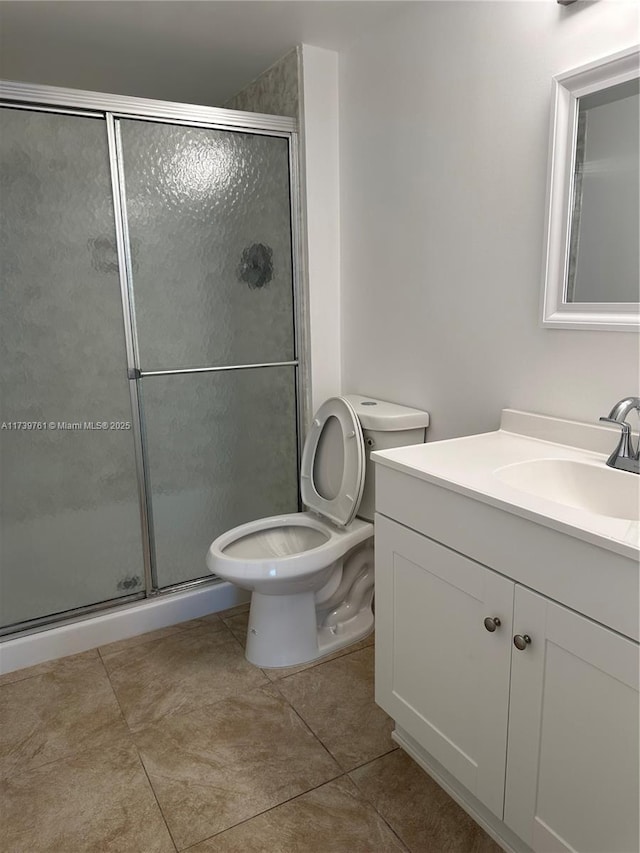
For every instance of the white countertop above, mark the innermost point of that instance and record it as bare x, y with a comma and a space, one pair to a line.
466, 465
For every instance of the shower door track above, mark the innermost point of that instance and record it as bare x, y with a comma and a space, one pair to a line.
61, 99
30, 626
110, 108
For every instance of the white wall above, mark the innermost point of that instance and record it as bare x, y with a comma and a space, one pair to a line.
319, 122
444, 124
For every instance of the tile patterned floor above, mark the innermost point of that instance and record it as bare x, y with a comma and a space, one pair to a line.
172, 741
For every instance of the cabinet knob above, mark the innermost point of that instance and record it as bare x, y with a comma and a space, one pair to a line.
521, 641
491, 623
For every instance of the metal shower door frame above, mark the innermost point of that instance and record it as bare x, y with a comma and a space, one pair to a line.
111, 108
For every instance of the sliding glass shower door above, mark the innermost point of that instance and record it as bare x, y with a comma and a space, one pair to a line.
70, 532
208, 222
149, 358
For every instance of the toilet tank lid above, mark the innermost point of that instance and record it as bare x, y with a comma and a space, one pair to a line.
383, 416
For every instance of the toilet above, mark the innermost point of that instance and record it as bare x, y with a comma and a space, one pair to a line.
311, 573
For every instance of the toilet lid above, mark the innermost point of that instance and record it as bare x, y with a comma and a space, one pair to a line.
333, 462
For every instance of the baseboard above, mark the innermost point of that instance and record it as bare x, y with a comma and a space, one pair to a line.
119, 623
494, 827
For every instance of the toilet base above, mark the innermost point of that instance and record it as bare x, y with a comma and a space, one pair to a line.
357, 629
283, 630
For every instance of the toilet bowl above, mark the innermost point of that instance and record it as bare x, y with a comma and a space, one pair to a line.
311, 573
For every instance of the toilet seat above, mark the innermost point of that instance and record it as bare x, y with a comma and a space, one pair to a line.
230, 556
343, 506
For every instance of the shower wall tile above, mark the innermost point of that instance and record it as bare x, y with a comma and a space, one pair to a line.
275, 91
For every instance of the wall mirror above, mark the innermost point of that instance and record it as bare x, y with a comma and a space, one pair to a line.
592, 271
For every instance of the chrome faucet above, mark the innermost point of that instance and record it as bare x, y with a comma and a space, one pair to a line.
624, 456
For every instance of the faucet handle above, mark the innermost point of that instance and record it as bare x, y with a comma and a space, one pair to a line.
623, 424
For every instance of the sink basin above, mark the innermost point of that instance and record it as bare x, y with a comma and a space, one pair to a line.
547, 470
592, 487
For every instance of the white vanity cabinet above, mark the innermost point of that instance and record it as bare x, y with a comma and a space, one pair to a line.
439, 673
540, 744
572, 758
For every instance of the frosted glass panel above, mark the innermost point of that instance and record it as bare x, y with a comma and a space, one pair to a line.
222, 451
210, 229
68, 501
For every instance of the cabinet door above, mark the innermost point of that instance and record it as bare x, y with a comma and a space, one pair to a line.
440, 673
572, 768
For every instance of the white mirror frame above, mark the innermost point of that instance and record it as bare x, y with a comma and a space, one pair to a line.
568, 87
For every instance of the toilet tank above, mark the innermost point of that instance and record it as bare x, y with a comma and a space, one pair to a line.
384, 425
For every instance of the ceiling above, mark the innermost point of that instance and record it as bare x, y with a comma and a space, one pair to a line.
177, 50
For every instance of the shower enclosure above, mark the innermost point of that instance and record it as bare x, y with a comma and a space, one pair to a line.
152, 343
